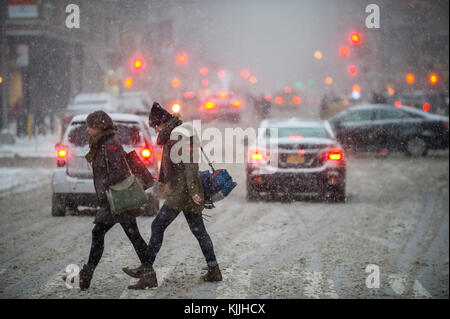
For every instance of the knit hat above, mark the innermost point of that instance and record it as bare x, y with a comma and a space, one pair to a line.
101, 120
158, 115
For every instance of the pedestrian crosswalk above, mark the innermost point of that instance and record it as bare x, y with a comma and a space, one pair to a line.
236, 284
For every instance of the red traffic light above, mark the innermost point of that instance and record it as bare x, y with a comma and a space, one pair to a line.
245, 74
138, 64
182, 58
204, 71
344, 51
355, 38
221, 73
352, 70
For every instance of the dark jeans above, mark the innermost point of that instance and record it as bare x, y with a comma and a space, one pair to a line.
165, 217
98, 241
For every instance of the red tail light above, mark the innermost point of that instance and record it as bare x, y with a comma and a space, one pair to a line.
210, 105
176, 108
445, 124
256, 155
146, 153
335, 155
236, 104
62, 153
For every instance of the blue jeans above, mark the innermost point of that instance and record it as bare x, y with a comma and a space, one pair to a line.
165, 217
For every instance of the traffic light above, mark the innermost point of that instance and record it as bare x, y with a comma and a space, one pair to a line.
318, 55
245, 74
410, 78
352, 70
287, 90
329, 80
278, 100
355, 38
138, 64
253, 79
204, 71
221, 73
175, 82
297, 100
181, 58
128, 82
344, 51
433, 78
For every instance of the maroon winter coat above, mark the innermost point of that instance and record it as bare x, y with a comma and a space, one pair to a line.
111, 149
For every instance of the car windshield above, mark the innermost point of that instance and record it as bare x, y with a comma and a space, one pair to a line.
127, 134
300, 132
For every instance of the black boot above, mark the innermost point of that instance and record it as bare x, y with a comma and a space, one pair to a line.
86, 274
147, 280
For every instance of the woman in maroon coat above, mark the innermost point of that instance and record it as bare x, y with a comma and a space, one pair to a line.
104, 147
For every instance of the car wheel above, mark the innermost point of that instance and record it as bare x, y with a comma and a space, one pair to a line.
416, 147
252, 195
58, 205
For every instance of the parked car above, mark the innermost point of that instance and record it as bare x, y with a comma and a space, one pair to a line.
222, 106
85, 103
72, 181
303, 159
378, 127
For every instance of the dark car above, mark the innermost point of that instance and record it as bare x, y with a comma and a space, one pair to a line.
378, 127
304, 158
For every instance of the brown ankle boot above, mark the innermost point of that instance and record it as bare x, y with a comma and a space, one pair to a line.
86, 274
147, 280
134, 272
213, 274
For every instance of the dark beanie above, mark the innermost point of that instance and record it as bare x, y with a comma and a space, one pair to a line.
158, 115
101, 120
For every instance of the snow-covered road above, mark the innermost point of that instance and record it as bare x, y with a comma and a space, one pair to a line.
396, 218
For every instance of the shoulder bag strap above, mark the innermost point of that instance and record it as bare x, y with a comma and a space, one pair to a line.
124, 158
207, 159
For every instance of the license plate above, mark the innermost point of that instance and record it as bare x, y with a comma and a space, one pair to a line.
295, 159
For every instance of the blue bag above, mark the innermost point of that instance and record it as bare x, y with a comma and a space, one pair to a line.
216, 185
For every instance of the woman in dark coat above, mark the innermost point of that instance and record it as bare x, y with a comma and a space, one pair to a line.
183, 190
109, 167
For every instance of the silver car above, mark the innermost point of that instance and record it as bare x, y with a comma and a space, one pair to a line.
72, 181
